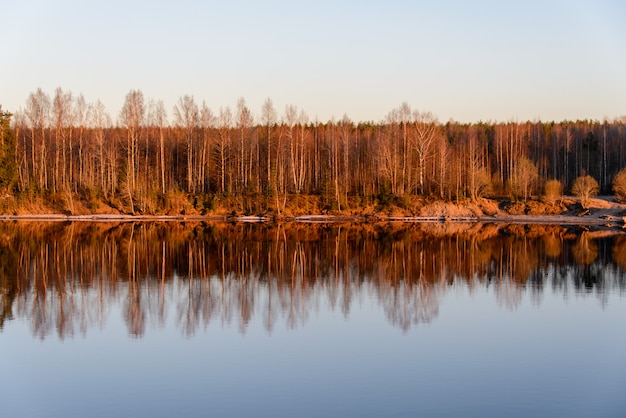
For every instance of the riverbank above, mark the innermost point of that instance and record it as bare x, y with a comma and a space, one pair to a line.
601, 211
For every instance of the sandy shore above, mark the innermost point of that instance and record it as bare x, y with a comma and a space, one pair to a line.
603, 211
606, 221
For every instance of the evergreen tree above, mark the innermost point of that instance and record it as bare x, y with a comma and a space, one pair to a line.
8, 172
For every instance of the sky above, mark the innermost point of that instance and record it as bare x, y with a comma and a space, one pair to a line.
467, 61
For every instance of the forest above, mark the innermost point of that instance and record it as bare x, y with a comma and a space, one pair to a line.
61, 153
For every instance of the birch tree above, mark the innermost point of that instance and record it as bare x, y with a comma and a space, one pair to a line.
426, 131
268, 118
37, 114
244, 122
100, 125
222, 146
207, 123
186, 115
132, 118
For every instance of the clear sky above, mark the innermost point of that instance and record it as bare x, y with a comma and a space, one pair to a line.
461, 60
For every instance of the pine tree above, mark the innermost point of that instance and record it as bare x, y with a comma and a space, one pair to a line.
8, 172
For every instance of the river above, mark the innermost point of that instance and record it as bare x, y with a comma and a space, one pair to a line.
232, 319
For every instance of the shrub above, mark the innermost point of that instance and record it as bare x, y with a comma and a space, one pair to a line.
552, 191
385, 196
619, 185
585, 187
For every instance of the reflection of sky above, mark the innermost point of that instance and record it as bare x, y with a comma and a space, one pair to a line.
477, 358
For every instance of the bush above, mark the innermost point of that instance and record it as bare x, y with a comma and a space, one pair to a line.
585, 187
552, 191
385, 196
619, 185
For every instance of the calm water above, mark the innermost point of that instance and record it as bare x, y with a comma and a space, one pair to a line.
106, 320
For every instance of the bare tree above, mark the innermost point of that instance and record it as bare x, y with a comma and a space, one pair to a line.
426, 131
390, 152
346, 129
80, 111
132, 118
290, 118
222, 145
524, 178
21, 161
477, 175
244, 122
38, 114
302, 139
585, 187
161, 121
404, 117
268, 117
207, 123
442, 154
187, 117
101, 124
62, 119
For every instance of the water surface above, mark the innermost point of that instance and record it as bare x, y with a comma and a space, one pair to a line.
222, 319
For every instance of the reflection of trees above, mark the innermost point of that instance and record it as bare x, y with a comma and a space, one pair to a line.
553, 245
588, 275
585, 251
65, 278
409, 304
8, 283
619, 251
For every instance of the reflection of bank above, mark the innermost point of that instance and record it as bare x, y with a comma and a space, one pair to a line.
69, 278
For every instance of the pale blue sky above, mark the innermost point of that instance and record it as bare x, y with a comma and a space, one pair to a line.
462, 60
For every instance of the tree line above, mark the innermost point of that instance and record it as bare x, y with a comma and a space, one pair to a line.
61, 145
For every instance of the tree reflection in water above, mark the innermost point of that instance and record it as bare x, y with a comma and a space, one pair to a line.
66, 278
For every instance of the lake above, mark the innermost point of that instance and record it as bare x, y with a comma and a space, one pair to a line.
311, 320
